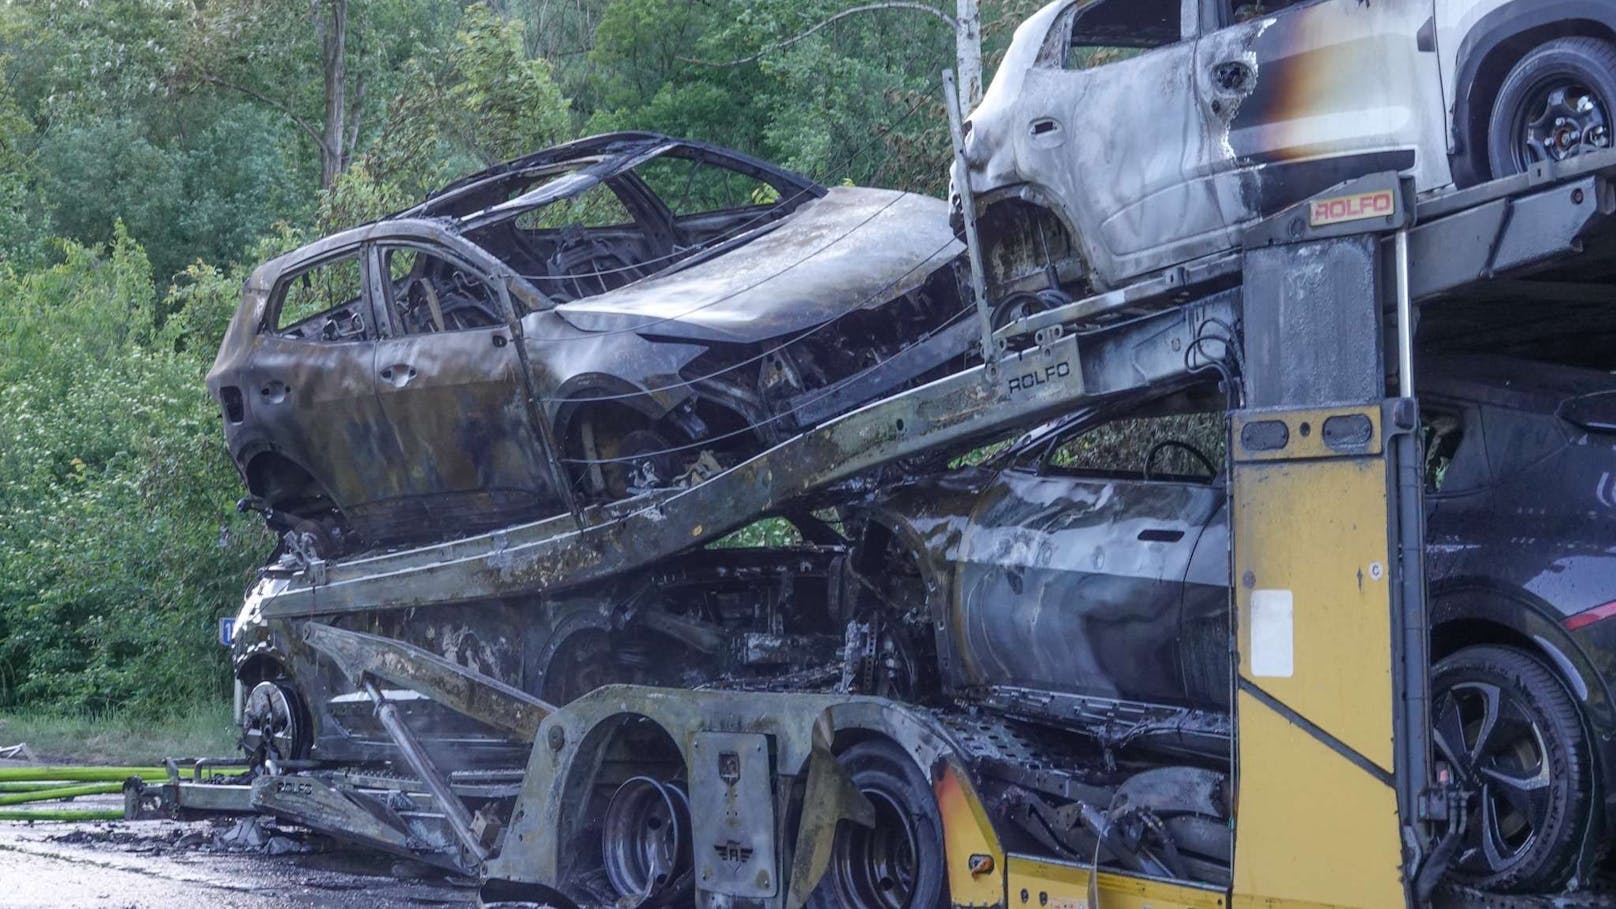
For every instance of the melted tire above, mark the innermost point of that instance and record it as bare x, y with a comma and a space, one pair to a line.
1519, 840
902, 796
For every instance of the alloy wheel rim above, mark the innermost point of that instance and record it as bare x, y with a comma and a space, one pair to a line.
1497, 752
878, 867
1561, 118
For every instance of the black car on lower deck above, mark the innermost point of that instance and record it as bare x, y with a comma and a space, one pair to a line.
1081, 578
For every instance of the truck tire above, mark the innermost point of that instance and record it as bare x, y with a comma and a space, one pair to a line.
1557, 103
1512, 736
900, 863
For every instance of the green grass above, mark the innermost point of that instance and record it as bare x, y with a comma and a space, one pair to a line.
201, 730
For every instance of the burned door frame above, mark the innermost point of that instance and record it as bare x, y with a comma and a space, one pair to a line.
285, 372
1130, 226
504, 476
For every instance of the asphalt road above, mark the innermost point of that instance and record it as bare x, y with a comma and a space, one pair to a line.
173, 865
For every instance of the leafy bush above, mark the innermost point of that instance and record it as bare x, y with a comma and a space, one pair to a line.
119, 545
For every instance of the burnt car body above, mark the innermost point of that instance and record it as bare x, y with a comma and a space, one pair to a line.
1123, 137
733, 616
595, 319
1059, 585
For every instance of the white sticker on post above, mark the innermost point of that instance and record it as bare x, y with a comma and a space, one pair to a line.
1273, 634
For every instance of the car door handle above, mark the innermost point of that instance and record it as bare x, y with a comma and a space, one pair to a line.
398, 375
1160, 535
1235, 77
1045, 131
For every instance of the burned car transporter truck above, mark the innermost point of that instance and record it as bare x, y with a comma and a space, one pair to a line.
601, 709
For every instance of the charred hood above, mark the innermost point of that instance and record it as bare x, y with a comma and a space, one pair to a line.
855, 248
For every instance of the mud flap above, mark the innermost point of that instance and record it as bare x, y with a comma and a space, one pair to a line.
829, 798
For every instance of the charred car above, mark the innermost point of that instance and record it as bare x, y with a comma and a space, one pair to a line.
1081, 580
621, 313
1123, 137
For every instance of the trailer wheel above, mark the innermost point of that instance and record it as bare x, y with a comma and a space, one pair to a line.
1512, 736
1557, 103
899, 863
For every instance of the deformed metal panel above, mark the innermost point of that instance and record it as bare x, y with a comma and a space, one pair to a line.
464, 690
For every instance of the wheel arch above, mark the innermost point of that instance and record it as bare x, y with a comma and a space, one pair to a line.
581, 778
1478, 614
261, 667
1010, 264
1464, 616
266, 470
1491, 49
886, 526
581, 393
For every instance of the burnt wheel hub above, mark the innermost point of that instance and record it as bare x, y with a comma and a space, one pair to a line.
269, 722
645, 839
878, 866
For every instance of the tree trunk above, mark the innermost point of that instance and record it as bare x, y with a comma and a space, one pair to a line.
968, 47
333, 63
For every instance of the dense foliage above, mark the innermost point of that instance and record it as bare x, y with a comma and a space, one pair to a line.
152, 150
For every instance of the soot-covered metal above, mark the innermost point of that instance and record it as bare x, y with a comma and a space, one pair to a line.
623, 313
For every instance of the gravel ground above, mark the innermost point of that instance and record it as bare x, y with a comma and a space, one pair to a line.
201, 864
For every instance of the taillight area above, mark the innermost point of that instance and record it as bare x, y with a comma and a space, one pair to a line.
234, 408
1590, 616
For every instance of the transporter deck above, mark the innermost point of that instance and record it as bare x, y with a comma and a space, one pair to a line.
1478, 261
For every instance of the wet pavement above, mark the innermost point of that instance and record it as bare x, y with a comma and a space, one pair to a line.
180, 865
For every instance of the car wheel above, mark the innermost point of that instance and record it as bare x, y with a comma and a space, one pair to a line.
899, 863
274, 723
1513, 738
1557, 103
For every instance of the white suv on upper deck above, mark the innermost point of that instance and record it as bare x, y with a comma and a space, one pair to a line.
1122, 137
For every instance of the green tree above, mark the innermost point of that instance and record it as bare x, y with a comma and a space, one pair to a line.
481, 102
114, 488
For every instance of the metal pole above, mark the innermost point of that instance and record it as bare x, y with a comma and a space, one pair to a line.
1413, 752
973, 247
453, 809
1405, 320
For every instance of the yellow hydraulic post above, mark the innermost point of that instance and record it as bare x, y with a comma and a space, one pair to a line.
1331, 748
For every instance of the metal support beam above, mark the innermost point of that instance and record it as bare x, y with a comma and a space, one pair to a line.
436, 783
466, 691
973, 245
1329, 599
